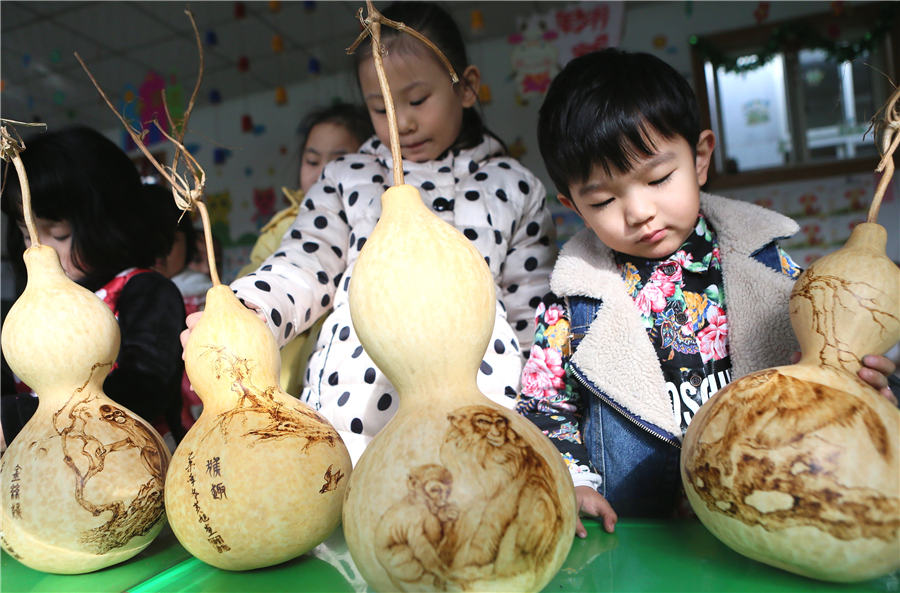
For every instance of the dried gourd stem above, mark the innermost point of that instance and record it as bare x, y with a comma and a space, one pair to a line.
372, 27
887, 133
138, 138
210, 248
11, 149
186, 195
190, 107
403, 28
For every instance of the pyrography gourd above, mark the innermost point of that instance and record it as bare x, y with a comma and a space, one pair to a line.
259, 478
799, 466
82, 483
455, 492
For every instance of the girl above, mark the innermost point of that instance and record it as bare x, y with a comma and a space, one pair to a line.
89, 206
462, 173
328, 133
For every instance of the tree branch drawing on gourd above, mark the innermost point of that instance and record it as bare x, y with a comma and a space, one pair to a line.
76, 423
829, 292
126, 520
188, 192
254, 400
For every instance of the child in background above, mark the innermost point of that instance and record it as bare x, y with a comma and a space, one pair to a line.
701, 276
328, 133
90, 206
175, 266
462, 173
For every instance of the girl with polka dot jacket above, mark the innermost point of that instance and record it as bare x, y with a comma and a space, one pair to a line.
462, 172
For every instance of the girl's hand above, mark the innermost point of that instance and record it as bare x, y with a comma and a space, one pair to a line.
875, 371
590, 502
191, 320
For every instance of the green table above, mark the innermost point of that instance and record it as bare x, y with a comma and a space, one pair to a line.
641, 556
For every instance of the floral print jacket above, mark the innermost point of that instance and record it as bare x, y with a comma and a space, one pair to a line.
681, 304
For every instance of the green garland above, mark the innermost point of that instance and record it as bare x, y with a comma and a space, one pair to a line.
798, 34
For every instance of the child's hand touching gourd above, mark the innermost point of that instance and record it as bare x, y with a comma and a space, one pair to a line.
591, 502
191, 320
875, 372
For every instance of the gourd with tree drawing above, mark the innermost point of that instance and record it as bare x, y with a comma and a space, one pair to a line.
799, 466
82, 483
260, 476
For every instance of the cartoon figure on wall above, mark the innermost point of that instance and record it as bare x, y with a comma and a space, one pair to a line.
545, 42
151, 106
219, 206
534, 59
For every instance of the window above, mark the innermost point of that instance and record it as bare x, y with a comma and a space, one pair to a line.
794, 100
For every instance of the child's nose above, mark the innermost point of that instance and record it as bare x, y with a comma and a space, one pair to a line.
639, 209
406, 123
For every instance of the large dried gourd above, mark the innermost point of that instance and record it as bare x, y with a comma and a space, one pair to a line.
456, 492
260, 477
82, 483
799, 466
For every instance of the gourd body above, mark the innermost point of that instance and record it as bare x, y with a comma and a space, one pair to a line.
82, 483
455, 492
260, 477
799, 466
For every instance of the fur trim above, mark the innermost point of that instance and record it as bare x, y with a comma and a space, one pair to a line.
756, 305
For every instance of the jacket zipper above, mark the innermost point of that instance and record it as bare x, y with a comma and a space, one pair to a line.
623, 412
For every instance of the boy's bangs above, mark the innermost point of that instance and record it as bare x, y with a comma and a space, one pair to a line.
621, 142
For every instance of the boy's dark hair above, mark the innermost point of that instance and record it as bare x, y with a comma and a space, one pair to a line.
80, 176
354, 118
598, 110
438, 25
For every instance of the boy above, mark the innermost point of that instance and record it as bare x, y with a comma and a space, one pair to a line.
699, 275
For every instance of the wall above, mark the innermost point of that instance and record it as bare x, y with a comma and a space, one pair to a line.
245, 189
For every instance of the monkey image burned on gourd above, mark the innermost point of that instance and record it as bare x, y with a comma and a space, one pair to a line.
511, 508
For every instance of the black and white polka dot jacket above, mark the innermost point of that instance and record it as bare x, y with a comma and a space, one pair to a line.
498, 204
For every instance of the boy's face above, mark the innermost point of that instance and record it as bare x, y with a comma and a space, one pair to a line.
651, 210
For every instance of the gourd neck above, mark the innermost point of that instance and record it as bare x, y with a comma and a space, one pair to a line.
869, 236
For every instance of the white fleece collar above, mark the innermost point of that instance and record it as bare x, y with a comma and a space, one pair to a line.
615, 353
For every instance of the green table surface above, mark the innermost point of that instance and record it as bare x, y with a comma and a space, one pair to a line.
642, 555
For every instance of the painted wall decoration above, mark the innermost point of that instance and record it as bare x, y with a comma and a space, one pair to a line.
547, 41
826, 210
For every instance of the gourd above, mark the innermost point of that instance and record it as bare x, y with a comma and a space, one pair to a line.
260, 477
82, 482
799, 466
455, 492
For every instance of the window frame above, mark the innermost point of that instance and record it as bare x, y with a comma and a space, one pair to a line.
752, 39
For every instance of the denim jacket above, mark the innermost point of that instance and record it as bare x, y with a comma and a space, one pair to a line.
627, 421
